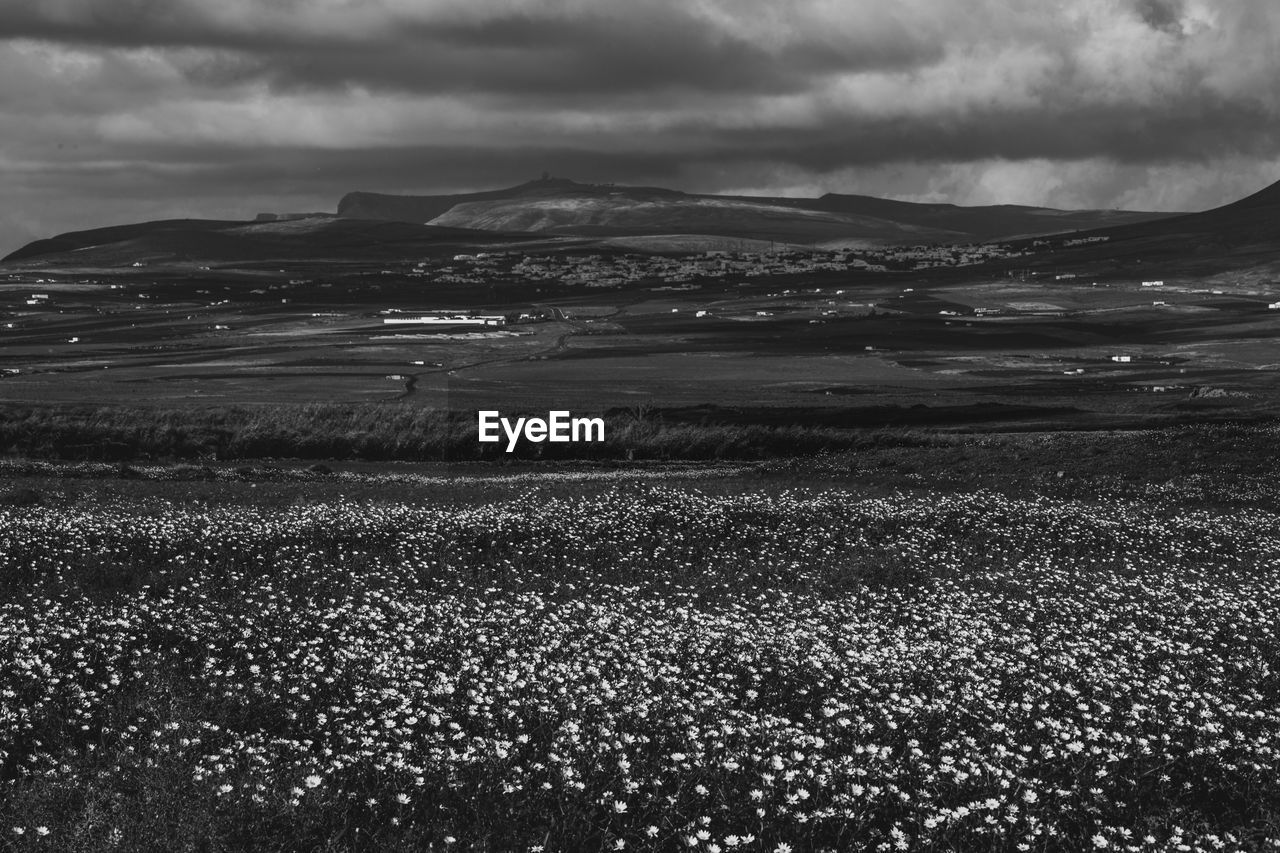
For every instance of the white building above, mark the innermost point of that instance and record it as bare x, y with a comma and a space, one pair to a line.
447, 320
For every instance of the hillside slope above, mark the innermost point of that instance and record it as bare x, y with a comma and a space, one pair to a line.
623, 215
1244, 233
217, 241
990, 222
566, 207
76, 241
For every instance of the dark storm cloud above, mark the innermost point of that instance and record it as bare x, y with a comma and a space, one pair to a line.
1163, 15
527, 50
1194, 133
211, 171
554, 59
232, 24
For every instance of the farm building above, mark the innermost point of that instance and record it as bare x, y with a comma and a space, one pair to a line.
443, 319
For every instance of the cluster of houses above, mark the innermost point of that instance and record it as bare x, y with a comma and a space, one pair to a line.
611, 271
933, 257
615, 270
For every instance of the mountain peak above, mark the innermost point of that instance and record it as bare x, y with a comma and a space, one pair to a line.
548, 182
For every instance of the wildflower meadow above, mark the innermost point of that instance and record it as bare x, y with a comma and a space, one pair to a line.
641, 666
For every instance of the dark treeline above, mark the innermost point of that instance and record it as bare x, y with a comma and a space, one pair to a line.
390, 433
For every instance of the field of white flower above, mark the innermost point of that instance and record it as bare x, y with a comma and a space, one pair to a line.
651, 668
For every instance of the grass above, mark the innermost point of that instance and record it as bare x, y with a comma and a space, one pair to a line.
1219, 466
640, 663
385, 433
257, 657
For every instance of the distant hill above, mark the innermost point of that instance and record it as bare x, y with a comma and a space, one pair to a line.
74, 241
603, 210
220, 241
1240, 234
557, 213
423, 208
986, 223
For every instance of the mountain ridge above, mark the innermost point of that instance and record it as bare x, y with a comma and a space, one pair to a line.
1246, 231
563, 206
201, 240
561, 213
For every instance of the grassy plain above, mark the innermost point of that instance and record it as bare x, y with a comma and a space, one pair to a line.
944, 339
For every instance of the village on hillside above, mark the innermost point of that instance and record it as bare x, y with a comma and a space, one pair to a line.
615, 270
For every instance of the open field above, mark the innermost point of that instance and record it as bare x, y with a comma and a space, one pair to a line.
945, 340
1054, 642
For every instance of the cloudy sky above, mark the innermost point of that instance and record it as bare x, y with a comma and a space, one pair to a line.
122, 110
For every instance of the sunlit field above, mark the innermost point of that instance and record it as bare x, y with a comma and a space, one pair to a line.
642, 667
